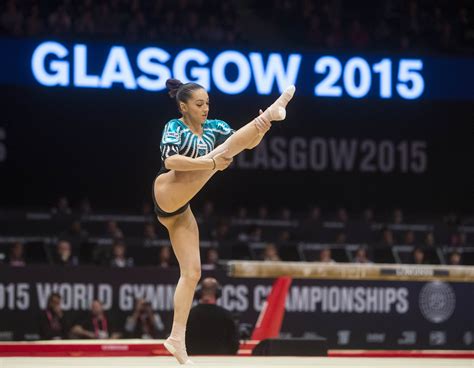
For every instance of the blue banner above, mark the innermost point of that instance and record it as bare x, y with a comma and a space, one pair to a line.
322, 75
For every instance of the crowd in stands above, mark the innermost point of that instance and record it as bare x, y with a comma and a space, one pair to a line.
261, 234
439, 26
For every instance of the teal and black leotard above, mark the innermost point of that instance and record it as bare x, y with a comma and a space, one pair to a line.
177, 139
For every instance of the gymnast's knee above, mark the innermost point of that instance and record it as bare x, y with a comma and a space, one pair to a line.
192, 274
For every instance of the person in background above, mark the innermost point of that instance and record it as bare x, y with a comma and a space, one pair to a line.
361, 256
455, 258
430, 239
16, 256
119, 258
387, 237
325, 256
409, 238
96, 326
270, 253
419, 256
211, 262
113, 231
64, 256
211, 328
76, 235
53, 324
62, 207
149, 232
164, 260
144, 323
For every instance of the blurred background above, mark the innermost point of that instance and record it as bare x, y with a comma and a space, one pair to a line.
372, 165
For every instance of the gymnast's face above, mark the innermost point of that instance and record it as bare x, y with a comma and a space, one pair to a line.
197, 107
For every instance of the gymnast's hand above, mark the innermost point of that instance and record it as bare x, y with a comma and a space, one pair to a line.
221, 161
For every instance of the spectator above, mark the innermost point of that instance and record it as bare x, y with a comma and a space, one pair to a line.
409, 238
429, 239
164, 257
358, 36
262, 212
16, 255
144, 323
387, 237
254, 235
368, 216
419, 256
53, 324
96, 325
113, 231
63, 255
11, 19
285, 214
119, 258
222, 232
342, 215
270, 253
397, 216
341, 238
34, 25
242, 213
211, 261
284, 236
309, 229
325, 256
211, 328
59, 21
85, 207
150, 232
458, 239
76, 235
147, 209
455, 258
62, 207
361, 256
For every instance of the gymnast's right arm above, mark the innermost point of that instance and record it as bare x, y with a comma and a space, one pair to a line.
184, 163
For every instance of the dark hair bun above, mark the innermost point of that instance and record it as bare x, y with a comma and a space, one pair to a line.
173, 86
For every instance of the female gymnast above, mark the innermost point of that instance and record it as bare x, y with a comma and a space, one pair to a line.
193, 149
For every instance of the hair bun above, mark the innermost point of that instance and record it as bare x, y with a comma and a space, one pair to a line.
173, 86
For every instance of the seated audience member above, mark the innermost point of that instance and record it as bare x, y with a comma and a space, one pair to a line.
63, 255
211, 262
96, 325
419, 256
455, 258
387, 237
113, 231
211, 328
270, 253
16, 255
325, 256
164, 260
144, 323
119, 258
409, 238
361, 256
53, 324
430, 239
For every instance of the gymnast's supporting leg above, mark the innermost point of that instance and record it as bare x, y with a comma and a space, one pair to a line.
184, 236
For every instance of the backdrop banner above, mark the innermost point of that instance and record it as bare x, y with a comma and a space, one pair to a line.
351, 314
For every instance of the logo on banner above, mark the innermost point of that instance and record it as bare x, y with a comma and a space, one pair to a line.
437, 301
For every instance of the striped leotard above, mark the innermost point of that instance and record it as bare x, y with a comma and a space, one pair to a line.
177, 139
